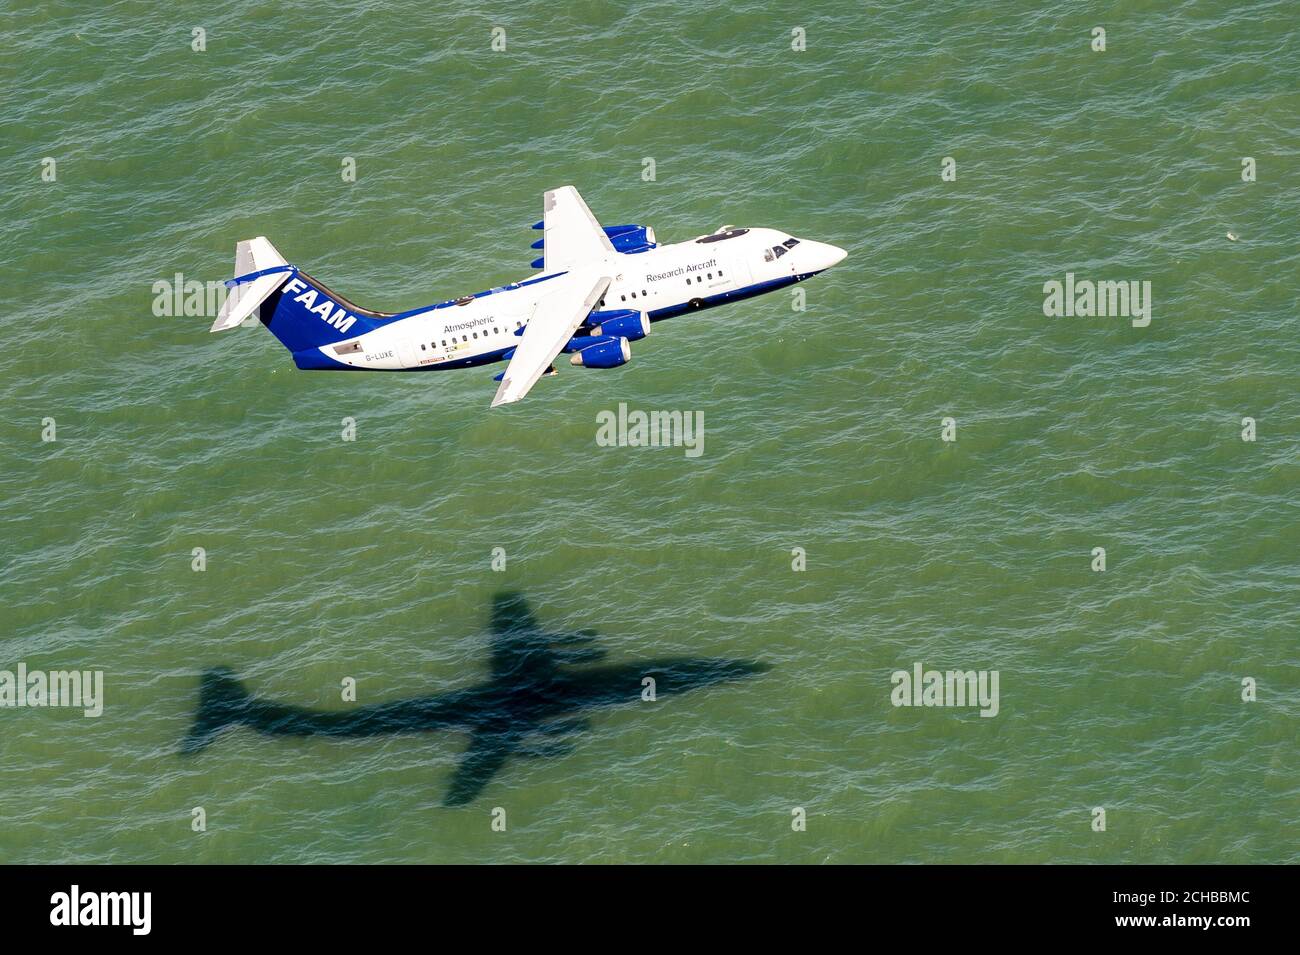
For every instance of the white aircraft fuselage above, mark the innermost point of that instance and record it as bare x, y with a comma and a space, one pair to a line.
662, 282
599, 289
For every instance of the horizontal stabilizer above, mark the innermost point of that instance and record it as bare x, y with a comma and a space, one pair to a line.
259, 271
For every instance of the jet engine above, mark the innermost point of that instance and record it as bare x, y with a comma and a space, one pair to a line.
631, 238
622, 322
607, 353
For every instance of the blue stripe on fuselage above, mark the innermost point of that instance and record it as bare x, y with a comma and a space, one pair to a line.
314, 360
722, 298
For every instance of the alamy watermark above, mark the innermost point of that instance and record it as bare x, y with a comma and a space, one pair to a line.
1086, 298
651, 429
130, 909
951, 688
178, 296
83, 689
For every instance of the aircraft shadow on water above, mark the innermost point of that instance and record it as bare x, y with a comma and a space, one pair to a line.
537, 690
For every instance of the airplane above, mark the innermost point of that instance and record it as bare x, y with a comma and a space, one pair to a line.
533, 690
598, 290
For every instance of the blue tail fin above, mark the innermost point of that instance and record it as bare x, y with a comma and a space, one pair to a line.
304, 314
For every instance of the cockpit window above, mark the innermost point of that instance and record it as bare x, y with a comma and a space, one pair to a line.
778, 250
790, 243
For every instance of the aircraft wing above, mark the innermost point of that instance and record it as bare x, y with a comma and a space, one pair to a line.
556, 316
572, 236
487, 752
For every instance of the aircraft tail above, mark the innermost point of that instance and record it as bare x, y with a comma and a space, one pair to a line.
300, 311
223, 702
259, 270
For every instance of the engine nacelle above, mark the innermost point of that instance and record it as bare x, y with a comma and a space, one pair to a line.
607, 353
631, 238
579, 342
621, 323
